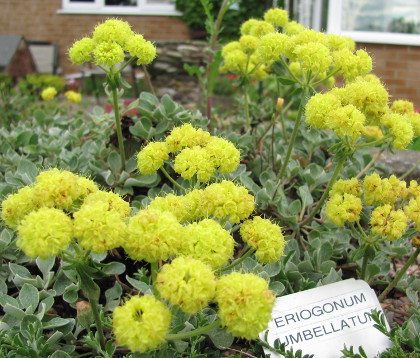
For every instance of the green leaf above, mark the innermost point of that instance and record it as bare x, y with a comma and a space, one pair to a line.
114, 162
56, 322
27, 167
14, 311
305, 194
19, 270
286, 80
45, 266
277, 287
60, 354
168, 104
29, 296
332, 277
220, 337
113, 268
139, 285
40, 116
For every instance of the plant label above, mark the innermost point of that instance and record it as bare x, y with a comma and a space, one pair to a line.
322, 320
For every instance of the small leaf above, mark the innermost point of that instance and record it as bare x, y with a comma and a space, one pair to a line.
220, 338
56, 322
286, 80
139, 285
113, 268
45, 266
29, 296
114, 162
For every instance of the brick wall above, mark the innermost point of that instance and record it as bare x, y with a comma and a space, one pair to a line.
399, 68
38, 20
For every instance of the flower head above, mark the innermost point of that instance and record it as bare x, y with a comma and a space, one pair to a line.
151, 157
48, 93
194, 161
113, 30
44, 233
108, 54
187, 283
16, 206
113, 201
73, 97
81, 51
412, 210
319, 107
223, 154
226, 200
144, 50
349, 186
271, 47
248, 43
184, 207
245, 304
276, 17
207, 241
153, 235
141, 323
59, 188
400, 128
314, 56
387, 222
99, 228
264, 236
343, 207
186, 136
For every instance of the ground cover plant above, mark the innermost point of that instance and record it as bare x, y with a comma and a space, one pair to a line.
155, 231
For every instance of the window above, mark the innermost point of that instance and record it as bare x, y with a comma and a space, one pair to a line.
119, 7
387, 21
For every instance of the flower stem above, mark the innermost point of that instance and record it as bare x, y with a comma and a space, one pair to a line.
193, 333
327, 190
364, 267
96, 316
171, 179
409, 171
400, 274
291, 143
248, 121
238, 261
118, 124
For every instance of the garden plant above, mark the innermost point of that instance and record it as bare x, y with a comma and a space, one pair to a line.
156, 231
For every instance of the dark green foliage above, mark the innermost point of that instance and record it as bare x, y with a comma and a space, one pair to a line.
194, 15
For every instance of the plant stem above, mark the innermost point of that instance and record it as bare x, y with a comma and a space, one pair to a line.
96, 316
215, 29
364, 267
400, 274
247, 119
409, 171
327, 190
291, 143
118, 124
171, 179
193, 333
238, 261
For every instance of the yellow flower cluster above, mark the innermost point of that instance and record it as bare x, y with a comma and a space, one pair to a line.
61, 206
141, 323
197, 154
395, 204
73, 97
265, 237
276, 39
245, 304
187, 283
360, 108
109, 42
48, 93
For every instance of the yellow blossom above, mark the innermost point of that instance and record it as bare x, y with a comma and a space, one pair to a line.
187, 283
73, 97
141, 323
265, 237
44, 233
48, 93
245, 304
387, 222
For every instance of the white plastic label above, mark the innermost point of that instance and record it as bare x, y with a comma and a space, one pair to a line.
322, 320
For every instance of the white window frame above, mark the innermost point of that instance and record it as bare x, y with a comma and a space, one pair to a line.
99, 7
334, 26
